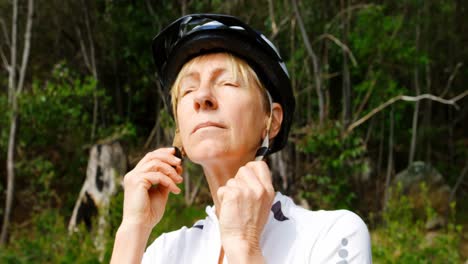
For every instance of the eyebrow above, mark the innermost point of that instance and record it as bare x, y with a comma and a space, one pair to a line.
214, 73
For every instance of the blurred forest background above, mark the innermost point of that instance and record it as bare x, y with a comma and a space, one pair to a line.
381, 124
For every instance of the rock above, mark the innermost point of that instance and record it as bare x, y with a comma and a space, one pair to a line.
437, 191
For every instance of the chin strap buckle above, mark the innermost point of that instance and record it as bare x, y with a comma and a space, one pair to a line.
265, 147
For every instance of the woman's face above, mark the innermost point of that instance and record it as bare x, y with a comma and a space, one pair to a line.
220, 117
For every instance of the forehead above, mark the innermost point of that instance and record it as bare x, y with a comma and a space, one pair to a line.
210, 63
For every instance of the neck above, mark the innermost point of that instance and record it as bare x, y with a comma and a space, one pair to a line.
217, 173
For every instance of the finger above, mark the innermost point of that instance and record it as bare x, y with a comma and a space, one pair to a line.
179, 169
232, 183
158, 178
261, 169
232, 194
167, 157
157, 165
249, 179
164, 154
151, 153
156, 193
236, 186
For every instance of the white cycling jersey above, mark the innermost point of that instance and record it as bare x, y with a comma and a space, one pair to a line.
291, 235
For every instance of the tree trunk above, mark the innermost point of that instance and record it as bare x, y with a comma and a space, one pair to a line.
390, 160
10, 177
89, 57
428, 118
14, 89
379, 163
92, 58
191, 190
12, 66
106, 166
414, 134
280, 167
315, 63
271, 11
346, 82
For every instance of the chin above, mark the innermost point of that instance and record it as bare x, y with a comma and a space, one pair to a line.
207, 151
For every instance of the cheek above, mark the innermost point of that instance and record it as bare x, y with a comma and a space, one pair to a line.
248, 117
183, 118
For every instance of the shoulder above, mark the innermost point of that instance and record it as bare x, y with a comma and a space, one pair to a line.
330, 236
337, 220
343, 237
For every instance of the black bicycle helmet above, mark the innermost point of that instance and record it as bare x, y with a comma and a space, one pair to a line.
197, 34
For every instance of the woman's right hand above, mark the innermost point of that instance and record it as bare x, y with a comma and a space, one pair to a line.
147, 187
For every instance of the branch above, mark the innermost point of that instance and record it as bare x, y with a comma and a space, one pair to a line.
282, 23
195, 190
451, 78
27, 46
374, 111
460, 96
5, 31
271, 11
150, 8
315, 63
12, 73
459, 181
340, 44
349, 10
4, 60
91, 42
83, 48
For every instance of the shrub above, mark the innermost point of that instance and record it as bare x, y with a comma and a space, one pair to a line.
404, 239
46, 240
335, 160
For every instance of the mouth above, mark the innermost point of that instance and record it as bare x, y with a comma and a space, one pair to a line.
207, 124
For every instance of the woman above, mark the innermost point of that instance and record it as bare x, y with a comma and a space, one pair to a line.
233, 104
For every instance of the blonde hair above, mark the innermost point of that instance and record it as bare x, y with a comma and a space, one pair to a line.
238, 67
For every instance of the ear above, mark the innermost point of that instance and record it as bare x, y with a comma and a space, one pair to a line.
276, 120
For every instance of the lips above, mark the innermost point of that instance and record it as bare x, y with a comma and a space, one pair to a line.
208, 124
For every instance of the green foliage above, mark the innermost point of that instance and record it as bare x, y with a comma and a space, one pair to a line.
404, 239
45, 239
56, 111
176, 215
382, 38
166, 119
386, 55
54, 124
40, 174
336, 159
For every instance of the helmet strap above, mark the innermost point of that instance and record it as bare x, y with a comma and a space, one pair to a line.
265, 147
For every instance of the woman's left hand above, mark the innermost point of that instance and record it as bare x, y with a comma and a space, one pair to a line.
245, 206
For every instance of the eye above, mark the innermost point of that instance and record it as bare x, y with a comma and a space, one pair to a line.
186, 91
230, 83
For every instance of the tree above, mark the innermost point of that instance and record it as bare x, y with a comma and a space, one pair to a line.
15, 87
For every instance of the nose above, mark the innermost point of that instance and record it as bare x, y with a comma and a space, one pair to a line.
204, 99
